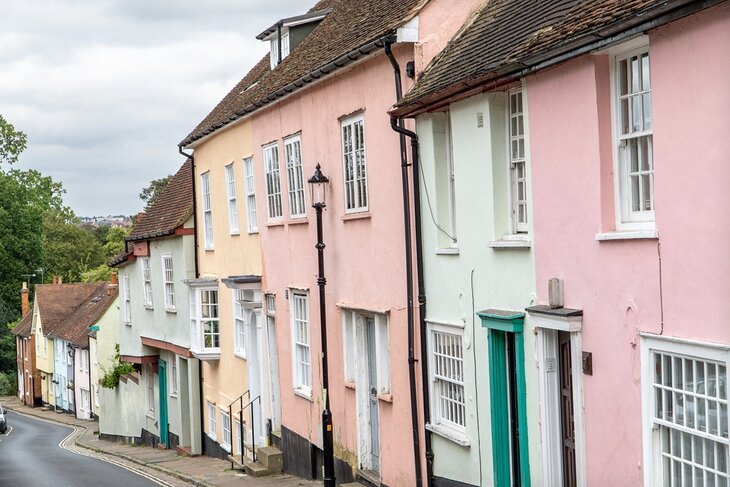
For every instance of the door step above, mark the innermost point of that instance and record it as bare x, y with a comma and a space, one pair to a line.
184, 451
270, 462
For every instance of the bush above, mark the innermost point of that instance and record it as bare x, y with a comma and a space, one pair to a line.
8, 387
110, 380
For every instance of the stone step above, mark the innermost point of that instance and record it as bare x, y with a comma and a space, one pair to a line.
184, 451
271, 458
255, 469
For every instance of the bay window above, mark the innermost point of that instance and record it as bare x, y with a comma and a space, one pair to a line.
205, 323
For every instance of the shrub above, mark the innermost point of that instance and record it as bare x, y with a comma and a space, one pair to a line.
110, 380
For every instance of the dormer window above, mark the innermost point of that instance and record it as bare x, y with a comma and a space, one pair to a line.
274, 56
287, 33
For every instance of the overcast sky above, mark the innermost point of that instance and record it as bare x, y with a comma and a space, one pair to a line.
105, 89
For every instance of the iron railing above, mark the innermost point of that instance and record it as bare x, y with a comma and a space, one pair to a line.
241, 436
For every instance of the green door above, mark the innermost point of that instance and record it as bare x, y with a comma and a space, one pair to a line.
162, 374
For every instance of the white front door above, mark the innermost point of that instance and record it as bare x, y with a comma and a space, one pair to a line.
255, 374
368, 426
273, 375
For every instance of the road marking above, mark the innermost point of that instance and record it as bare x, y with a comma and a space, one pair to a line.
64, 443
10, 430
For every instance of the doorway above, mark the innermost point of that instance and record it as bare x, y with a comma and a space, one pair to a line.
273, 355
255, 374
164, 426
366, 388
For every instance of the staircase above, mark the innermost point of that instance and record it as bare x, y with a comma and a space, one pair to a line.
270, 462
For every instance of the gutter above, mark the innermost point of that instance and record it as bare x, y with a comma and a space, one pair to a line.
590, 42
397, 125
311, 77
195, 260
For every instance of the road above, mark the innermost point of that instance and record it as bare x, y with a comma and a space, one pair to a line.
30, 455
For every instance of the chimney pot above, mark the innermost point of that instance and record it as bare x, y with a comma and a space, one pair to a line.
114, 277
55, 279
60, 279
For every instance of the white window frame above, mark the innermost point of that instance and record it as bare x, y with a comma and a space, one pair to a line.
447, 238
440, 423
248, 179
127, 301
274, 51
212, 421
173, 377
231, 193
301, 342
295, 177
146, 282
240, 325
197, 319
626, 218
354, 349
516, 157
150, 392
226, 439
168, 278
652, 427
272, 180
359, 180
206, 200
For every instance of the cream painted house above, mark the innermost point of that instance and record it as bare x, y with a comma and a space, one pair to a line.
240, 395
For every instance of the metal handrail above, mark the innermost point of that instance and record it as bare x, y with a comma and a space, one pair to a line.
253, 428
240, 421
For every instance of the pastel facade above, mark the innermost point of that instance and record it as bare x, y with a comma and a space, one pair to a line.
29, 380
103, 340
476, 233
44, 359
163, 403
648, 289
63, 375
230, 269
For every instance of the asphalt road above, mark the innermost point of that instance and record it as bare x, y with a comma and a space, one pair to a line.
30, 456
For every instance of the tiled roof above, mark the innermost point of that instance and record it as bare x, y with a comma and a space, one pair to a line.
170, 209
24, 326
342, 36
509, 37
75, 328
56, 302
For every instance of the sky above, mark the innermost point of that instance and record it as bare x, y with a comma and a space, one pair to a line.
106, 89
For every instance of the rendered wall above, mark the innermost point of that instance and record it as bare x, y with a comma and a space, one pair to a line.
496, 278
617, 283
226, 379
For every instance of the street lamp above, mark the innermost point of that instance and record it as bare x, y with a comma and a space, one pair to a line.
318, 186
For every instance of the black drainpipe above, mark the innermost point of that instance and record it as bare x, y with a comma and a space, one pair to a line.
397, 125
195, 247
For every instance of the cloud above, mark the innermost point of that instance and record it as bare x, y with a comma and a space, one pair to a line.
106, 89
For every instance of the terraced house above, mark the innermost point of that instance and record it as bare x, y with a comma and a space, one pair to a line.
574, 117
29, 380
160, 403
227, 331
321, 98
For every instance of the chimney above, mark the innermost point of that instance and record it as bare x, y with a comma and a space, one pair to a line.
55, 279
112, 285
24, 299
60, 279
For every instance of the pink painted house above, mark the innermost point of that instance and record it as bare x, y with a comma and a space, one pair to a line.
324, 100
626, 112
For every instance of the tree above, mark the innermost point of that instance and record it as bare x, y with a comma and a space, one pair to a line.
155, 188
12, 142
69, 250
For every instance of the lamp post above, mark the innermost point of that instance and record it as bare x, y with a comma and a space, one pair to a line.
318, 186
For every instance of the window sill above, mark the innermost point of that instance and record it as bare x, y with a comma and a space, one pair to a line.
171, 310
650, 234
253, 232
235, 234
227, 448
240, 355
304, 394
458, 438
360, 215
448, 251
149, 307
519, 241
298, 221
211, 249
385, 397
350, 384
173, 394
212, 437
213, 354
275, 223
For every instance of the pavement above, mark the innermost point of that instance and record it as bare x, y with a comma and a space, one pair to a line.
164, 465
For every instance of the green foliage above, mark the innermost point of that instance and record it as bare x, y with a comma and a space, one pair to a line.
8, 383
70, 251
12, 142
97, 274
154, 190
110, 380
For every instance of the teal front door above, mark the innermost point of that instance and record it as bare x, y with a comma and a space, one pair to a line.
162, 374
